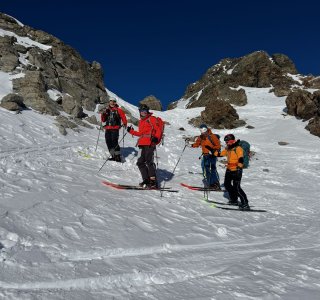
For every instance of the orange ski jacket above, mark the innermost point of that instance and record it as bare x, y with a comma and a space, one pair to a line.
234, 154
203, 141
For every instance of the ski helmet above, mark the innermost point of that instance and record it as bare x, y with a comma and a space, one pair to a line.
229, 137
203, 128
112, 99
144, 107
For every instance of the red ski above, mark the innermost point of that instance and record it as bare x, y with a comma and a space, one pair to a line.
136, 187
200, 188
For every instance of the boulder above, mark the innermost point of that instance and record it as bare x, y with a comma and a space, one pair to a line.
314, 126
219, 114
152, 102
301, 104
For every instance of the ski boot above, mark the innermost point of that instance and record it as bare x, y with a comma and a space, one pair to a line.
145, 183
244, 207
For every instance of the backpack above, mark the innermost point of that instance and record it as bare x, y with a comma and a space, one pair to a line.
211, 141
158, 125
246, 153
112, 117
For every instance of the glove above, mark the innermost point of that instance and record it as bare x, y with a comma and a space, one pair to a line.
154, 140
189, 143
209, 148
129, 128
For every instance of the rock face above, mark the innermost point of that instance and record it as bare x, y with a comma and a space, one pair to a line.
222, 83
49, 65
152, 102
302, 104
219, 89
219, 114
305, 105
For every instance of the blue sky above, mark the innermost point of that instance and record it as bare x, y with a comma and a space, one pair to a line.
159, 47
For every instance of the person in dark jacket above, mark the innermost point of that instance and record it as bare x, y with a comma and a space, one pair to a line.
149, 135
112, 118
233, 174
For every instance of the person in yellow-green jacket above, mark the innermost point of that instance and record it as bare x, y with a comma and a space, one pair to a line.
232, 179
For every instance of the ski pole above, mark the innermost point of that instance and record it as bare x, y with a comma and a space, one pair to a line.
161, 192
123, 136
111, 155
98, 137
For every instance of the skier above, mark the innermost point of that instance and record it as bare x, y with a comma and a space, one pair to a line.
149, 135
209, 143
111, 119
233, 173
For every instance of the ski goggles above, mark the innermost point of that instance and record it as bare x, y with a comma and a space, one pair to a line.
143, 112
203, 129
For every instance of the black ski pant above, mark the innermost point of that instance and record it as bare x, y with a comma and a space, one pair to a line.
112, 141
145, 162
232, 181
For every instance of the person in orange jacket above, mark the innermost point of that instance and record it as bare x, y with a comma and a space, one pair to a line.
149, 135
111, 119
209, 142
233, 173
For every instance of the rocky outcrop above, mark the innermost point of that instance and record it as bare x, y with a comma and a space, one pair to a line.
12, 102
219, 114
312, 82
302, 104
305, 105
216, 92
152, 102
222, 82
257, 69
32, 87
314, 126
49, 64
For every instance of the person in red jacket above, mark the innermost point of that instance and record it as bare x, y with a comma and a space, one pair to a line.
149, 135
111, 119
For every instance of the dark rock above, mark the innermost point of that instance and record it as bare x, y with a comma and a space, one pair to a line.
219, 114
152, 102
93, 120
285, 63
12, 106
314, 126
301, 104
14, 98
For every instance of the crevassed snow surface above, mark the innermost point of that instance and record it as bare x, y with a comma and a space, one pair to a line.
63, 235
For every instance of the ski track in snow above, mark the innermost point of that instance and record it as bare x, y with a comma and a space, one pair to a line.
63, 235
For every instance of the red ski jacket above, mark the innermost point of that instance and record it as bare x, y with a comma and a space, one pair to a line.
146, 129
113, 117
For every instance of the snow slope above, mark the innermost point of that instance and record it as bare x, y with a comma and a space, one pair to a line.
63, 235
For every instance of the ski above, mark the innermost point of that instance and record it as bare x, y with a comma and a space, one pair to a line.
200, 188
221, 203
237, 209
135, 187
84, 154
